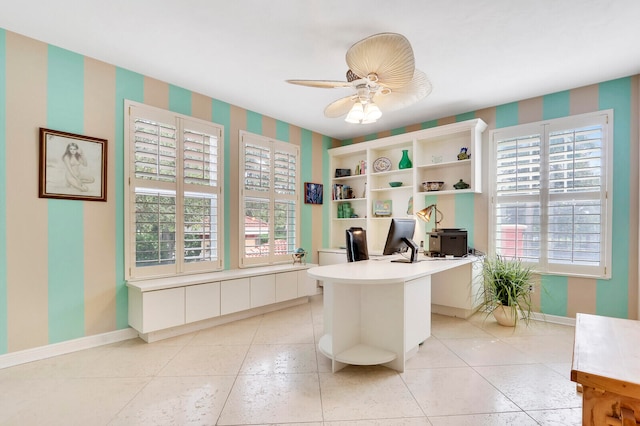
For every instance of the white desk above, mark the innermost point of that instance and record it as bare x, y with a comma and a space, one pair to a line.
377, 311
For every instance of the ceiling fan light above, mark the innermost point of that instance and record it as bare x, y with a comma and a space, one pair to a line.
371, 112
356, 114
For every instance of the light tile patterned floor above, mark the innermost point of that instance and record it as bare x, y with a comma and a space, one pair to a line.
267, 370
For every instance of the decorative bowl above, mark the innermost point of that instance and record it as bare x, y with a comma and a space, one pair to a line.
395, 184
432, 186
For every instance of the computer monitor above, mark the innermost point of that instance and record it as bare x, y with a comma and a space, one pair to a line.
400, 239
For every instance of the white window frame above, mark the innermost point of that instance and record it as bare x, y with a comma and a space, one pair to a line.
180, 188
272, 195
544, 128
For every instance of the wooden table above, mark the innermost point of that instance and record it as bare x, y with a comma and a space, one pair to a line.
606, 362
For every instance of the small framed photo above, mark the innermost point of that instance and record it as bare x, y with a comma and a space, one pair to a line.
72, 167
313, 193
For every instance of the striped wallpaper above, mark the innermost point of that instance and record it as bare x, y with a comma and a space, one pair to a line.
61, 262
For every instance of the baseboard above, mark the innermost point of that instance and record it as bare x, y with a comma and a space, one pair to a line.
55, 349
555, 319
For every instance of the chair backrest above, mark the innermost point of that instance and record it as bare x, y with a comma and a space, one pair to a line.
356, 244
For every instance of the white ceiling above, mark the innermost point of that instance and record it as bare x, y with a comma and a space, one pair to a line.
477, 53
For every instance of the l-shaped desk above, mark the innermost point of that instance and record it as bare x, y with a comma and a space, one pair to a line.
378, 311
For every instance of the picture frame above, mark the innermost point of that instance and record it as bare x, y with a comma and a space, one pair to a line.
313, 193
72, 166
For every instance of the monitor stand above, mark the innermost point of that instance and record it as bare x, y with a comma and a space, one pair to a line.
414, 252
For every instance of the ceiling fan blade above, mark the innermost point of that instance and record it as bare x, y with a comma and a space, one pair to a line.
323, 84
388, 55
418, 88
339, 108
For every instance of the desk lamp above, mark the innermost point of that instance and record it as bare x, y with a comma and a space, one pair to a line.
425, 214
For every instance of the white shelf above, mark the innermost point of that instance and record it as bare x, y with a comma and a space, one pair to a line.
441, 144
356, 355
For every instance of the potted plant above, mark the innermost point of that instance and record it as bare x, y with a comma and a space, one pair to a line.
506, 290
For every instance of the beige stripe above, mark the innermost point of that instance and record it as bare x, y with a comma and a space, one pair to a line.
201, 106
27, 286
238, 122
581, 296
584, 99
268, 127
413, 128
99, 218
530, 110
156, 93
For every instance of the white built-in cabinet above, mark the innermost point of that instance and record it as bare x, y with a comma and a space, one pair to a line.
434, 156
164, 303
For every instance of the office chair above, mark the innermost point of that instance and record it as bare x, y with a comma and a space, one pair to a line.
356, 244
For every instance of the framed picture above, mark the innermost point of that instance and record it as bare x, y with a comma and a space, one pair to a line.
313, 193
72, 167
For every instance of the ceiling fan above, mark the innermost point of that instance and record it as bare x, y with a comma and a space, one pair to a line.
383, 75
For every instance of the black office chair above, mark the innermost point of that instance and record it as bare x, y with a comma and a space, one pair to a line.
356, 244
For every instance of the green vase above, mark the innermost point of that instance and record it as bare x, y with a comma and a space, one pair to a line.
405, 162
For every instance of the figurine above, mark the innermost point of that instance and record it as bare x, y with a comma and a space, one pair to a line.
299, 255
464, 154
461, 185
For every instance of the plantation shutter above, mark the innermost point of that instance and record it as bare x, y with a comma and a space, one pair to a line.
173, 221
269, 202
550, 202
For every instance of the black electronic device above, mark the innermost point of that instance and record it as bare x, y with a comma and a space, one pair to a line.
448, 242
400, 239
343, 172
356, 244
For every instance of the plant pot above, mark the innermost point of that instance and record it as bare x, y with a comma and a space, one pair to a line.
506, 315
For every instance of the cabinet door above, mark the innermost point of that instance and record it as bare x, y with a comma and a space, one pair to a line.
263, 290
162, 309
306, 284
286, 286
235, 295
202, 302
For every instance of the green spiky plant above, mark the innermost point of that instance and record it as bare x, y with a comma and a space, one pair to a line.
507, 282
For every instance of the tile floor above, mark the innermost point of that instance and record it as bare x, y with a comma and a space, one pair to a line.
266, 370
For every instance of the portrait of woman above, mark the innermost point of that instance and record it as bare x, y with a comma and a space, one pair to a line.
75, 164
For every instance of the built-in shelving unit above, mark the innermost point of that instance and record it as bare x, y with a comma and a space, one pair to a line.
357, 198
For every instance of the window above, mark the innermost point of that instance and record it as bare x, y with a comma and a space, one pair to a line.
550, 204
269, 179
174, 199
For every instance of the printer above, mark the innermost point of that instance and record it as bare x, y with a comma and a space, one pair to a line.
447, 242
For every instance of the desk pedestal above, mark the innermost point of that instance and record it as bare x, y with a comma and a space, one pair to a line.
375, 324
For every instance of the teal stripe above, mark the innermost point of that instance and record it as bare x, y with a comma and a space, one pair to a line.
398, 131
556, 105
465, 215
129, 85
221, 114
428, 200
371, 137
306, 175
4, 329
65, 111
507, 115
346, 142
612, 295
554, 293
283, 131
254, 122
179, 100
466, 116
429, 124
326, 205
